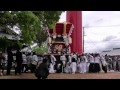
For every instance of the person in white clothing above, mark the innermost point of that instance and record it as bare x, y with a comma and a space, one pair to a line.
91, 61
34, 58
78, 64
70, 58
52, 64
51, 68
53, 59
34, 62
67, 68
87, 63
63, 59
83, 65
73, 66
29, 60
74, 56
97, 63
24, 63
104, 63
115, 63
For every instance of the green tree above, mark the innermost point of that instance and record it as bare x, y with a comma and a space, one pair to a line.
30, 23
47, 19
40, 50
7, 21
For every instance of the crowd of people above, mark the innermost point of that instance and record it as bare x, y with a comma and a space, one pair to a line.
66, 63
74, 63
113, 62
19, 61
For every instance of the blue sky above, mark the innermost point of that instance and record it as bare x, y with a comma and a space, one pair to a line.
102, 30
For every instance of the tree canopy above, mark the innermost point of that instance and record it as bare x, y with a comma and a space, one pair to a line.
31, 24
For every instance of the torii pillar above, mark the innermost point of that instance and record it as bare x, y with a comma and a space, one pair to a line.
75, 17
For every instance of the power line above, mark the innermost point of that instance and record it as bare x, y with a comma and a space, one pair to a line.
102, 26
93, 45
91, 42
104, 42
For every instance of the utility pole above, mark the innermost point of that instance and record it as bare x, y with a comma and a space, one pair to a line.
83, 39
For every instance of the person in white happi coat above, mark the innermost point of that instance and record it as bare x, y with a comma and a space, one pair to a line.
83, 65
52, 63
24, 63
104, 63
97, 63
87, 62
78, 64
34, 62
70, 58
91, 61
109, 61
74, 55
53, 59
51, 68
68, 68
73, 66
63, 59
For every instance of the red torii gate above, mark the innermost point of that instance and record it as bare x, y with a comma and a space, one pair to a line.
75, 17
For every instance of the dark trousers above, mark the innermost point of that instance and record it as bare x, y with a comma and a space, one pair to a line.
18, 68
58, 69
33, 68
104, 68
2, 67
9, 66
24, 66
91, 68
96, 67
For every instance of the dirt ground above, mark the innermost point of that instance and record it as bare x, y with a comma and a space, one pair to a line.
109, 75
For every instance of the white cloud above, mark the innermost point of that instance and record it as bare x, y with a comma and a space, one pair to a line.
63, 17
102, 18
95, 36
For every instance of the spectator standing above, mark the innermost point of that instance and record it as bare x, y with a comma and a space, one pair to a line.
10, 60
19, 61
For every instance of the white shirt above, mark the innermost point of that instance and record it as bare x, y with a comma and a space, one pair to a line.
35, 58
53, 59
29, 58
97, 59
86, 60
51, 66
74, 56
63, 58
24, 59
69, 58
78, 61
103, 61
91, 59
